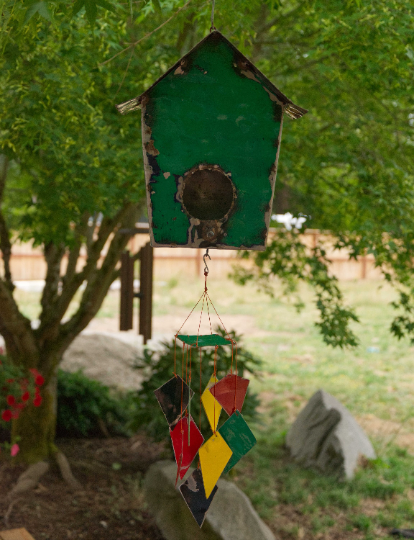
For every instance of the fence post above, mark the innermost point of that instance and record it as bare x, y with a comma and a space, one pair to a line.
145, 303
127, 292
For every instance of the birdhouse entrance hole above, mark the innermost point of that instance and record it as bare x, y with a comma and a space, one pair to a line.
208, 194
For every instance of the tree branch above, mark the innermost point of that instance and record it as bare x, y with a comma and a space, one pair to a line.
16, 329
276, 20
99, 282
80, 231
5, 244
53, 256
49, 330
133, 45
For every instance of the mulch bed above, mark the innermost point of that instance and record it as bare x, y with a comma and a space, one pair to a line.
110, 505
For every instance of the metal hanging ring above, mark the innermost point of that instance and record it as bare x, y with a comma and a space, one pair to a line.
204, 261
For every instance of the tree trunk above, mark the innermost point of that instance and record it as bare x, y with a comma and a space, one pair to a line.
36, 426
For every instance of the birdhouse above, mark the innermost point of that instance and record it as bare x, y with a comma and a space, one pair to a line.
211, 131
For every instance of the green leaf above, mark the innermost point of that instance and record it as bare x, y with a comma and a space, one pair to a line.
77, 6
105, 5
157, 5
91, 11
38, 7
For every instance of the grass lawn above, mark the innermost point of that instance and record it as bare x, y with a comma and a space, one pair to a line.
375, 381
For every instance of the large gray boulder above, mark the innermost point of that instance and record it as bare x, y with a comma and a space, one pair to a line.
105, 358
231, 515
326, 436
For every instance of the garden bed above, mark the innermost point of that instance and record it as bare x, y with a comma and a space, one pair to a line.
110, 505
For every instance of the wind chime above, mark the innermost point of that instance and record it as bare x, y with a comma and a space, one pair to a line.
211, 126
226, 446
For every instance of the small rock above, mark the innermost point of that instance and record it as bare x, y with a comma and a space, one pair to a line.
104, 524
231, 515
326, 436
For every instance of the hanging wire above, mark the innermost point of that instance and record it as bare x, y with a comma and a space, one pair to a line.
175, 356
199, 423
205, 298
189, 400
212, 17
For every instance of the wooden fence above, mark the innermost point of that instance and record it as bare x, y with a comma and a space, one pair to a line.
27, 263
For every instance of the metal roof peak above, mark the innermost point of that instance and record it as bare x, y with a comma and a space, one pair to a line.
246, 66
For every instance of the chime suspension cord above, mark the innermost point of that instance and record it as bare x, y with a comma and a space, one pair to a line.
175, 355
191, 312
235, 392
206, 298
189, 399
219, 318
201, 316
214, 387
199, 420
182, 388
212, 15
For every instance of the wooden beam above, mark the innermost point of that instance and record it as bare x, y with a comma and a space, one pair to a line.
127, 292
16, 534
145, 287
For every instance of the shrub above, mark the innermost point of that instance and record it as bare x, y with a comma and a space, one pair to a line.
88, 408
18, 388
158, 368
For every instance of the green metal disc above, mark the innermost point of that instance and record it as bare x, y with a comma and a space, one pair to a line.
209, 340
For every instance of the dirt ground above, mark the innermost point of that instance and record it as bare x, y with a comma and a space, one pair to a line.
110, 504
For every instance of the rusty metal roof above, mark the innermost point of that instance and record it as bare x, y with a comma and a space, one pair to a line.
292, 110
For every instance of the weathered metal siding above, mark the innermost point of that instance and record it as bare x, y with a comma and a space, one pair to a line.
212, 110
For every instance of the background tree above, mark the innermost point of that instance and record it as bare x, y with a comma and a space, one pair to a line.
349, 163
71, 170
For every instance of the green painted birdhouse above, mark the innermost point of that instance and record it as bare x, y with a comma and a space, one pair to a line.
211, 130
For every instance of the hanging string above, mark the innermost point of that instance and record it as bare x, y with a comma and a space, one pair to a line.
186, 367
191, 312
201, 316
181, 416
189, 372
206, 298
235, 392
199, 422
175, 355
235, 389
208, 309
222, 324
236, 358
182, 387
189, 400
214, 387
212, 15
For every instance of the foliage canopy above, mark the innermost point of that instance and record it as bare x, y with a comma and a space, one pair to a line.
70, 168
